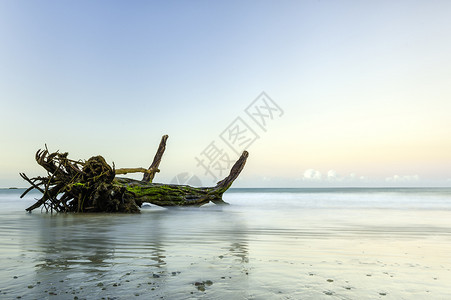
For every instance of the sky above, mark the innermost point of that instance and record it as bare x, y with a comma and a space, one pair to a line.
321, 93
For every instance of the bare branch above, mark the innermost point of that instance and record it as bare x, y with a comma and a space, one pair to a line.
148, 177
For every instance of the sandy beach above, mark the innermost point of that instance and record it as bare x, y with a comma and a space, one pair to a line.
267, 244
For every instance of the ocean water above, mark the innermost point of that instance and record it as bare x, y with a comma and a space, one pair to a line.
267, 244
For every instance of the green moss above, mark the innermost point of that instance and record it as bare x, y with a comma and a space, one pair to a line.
136, 190
165, 194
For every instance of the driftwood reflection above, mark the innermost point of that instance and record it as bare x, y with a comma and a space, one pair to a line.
68, 242
155, 249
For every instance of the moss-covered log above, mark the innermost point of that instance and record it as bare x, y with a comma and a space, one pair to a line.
180, 195
91, 186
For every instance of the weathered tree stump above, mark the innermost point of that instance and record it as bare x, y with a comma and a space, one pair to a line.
92, 185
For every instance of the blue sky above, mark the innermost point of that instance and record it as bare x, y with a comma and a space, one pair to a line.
364, 87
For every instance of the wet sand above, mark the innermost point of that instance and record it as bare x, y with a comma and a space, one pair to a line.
263, 246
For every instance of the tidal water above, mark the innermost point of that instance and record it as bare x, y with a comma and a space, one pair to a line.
267, 244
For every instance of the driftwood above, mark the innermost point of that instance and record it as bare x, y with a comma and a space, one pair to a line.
92, 185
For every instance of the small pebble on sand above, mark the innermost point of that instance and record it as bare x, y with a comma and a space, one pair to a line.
201, 288
208, 282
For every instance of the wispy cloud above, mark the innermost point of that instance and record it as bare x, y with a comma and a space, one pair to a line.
335, 178
312, 175
402, 178
331, 176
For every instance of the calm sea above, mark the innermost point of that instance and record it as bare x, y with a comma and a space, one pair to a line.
267, 244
